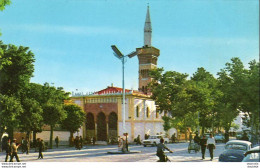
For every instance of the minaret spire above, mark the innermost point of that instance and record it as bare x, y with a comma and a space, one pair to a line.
147, 29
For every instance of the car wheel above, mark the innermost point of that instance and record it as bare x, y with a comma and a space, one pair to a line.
144, 145
166, 142
154, 143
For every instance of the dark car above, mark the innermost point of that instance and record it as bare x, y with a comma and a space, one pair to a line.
252, 155
234, 151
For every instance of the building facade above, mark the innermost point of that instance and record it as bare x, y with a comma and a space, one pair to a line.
104, 114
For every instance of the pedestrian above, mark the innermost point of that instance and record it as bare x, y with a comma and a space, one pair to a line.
23, 145
173, 138
81, 142
160, 151
8, 149
76, 141
138, 140
94, 140
190, 137
203, 145
57, 141
27, 145
41, 148
197, 139
211, 145
14, 151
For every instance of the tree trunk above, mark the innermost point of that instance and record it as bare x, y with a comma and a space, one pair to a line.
51, 137
203, 130
70, 139
34, 139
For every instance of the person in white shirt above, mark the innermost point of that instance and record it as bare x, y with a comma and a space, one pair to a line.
211, 145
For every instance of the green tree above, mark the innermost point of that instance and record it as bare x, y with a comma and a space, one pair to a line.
250, 100
204, 95
231, 82
53, 114
16, 74
32, 118
74, 120
10, 110
172, 93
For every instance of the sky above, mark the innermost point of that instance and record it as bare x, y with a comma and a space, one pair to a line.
72, 39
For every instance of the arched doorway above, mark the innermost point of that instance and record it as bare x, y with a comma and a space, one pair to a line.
112, 125
90, 126
101, 127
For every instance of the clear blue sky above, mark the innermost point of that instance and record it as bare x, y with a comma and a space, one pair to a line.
71, 39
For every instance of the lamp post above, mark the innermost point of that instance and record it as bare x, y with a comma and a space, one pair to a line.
122, 57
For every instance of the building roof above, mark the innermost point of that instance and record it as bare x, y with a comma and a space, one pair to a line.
112, 89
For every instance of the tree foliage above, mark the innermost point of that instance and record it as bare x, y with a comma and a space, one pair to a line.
4, 3
10, 110
16, 74
32, 118
75, 118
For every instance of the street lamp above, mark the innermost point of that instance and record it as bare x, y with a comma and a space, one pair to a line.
122, 57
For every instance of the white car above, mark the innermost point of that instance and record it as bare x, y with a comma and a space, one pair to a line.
153, 140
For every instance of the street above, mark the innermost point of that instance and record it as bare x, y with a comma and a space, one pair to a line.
99, 154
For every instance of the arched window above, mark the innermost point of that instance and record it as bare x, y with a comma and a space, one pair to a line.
147, 112
137, 111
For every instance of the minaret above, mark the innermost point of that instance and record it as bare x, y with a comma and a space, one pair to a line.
147, 56
148, 29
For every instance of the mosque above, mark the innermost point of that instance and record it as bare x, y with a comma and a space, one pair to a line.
104, 108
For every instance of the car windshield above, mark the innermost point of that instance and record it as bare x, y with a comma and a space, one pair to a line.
236, 147
252, 157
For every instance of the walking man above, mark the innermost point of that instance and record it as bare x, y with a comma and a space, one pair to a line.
81, 142
211, 146
138, 140
203, 145
57, 141
23, 145
41, 148
27, 145
14, 151
8, 149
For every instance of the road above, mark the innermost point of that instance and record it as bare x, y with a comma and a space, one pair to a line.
99, 154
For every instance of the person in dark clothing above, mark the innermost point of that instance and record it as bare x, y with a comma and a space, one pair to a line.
160, 151
23, 145
57, 141
27, 145
14, 151
80, 142
41, 148
76, 141
138, 140
8, 149
197, 139
203, 145
173, 138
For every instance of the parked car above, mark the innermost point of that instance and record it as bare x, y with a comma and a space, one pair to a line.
154, 139
252, 155
234, 151
219, 138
